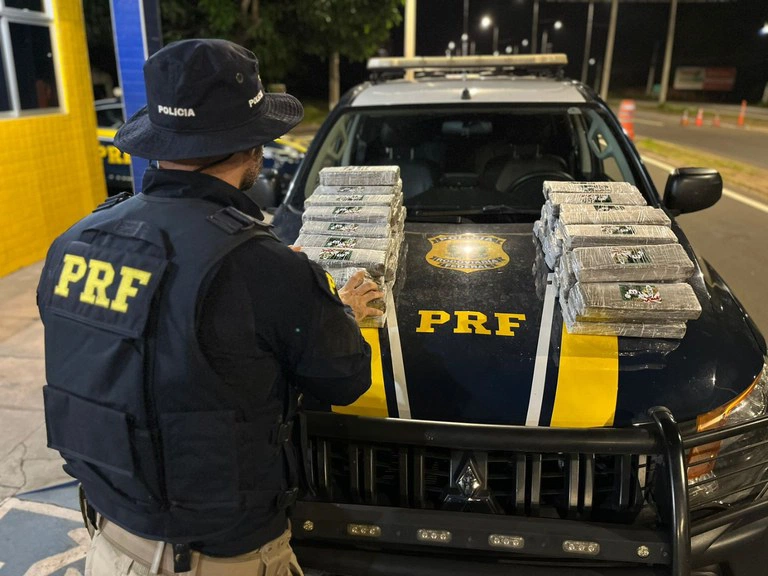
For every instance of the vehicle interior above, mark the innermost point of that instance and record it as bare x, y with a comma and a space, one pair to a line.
475, 159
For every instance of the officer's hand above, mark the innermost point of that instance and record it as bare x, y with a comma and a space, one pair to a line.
357, 294
294, 248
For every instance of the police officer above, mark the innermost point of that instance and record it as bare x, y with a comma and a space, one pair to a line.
179, 332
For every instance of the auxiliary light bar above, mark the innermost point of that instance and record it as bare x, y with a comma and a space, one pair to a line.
467, 62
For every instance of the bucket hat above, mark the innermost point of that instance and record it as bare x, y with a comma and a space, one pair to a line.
205, 98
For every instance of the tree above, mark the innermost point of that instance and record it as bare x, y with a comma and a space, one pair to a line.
351, 28
262, 26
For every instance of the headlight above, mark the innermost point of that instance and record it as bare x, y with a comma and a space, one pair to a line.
725, 472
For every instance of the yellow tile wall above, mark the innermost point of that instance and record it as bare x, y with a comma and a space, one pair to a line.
50, 171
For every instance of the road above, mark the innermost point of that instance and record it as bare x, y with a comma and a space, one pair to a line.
732, 237
749, 146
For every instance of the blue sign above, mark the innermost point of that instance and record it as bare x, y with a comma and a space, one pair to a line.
136, 26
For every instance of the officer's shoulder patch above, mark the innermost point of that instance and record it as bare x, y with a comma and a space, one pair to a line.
325, 282
113, 201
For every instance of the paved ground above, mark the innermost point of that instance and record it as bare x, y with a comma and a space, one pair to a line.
730, 141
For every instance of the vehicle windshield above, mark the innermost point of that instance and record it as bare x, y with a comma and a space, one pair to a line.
476, 161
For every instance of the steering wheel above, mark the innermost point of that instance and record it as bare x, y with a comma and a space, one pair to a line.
527, 188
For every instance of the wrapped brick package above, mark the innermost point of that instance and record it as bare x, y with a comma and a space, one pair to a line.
391, 201
666, 262
374, 261
612, 214
357, 229
358, 242
628, 302
360, 176
551, 209
674, 330
359, 213
342, 275
551, 187
578, 235
396, 189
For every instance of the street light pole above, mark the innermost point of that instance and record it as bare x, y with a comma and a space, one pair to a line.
609, 49
465, 34
409, 49
668, 53
495, 40
587, 42
535, 31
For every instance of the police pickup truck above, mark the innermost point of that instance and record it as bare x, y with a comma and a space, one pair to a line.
492, 441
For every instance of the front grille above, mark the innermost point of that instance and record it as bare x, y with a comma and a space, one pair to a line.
596, 487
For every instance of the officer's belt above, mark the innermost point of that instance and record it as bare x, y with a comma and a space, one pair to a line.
263, 561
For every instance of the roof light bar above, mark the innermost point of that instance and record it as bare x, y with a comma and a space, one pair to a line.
468, 62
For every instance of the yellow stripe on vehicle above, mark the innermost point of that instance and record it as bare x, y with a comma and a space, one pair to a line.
587, 382
374, 401
107, 133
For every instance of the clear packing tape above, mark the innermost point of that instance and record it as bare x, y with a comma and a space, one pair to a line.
612, 214
619, 269
355, 221
358, 189
342, 275
360, 176
579, 235
675, 330
659, 263
551, 187
631, 302
351, 213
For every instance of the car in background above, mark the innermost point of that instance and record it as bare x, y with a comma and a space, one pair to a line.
485, 450
117, 164
281, 159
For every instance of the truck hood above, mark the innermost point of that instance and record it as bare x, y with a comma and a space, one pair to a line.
475, 334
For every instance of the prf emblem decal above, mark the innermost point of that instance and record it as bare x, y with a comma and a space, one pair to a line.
467, 252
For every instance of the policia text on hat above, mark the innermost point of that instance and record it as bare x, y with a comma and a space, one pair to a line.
179, 332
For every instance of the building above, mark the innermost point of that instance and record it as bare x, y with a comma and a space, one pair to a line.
50, 171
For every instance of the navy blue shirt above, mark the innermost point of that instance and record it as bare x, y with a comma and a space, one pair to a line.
268, 318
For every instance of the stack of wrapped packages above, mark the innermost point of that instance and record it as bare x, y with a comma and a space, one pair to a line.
354, 221
619, 268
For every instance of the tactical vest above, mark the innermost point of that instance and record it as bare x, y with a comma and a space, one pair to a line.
157, 440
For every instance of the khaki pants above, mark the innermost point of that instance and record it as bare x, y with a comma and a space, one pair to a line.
109, 556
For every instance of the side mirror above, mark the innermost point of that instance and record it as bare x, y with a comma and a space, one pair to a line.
692, 189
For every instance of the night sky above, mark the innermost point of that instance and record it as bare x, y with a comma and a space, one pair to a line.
712, 34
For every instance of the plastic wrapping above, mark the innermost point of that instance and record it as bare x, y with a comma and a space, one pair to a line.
391, 201
342, 275
626, 302
360, 175
612, 214
667, 262
356, 229
564, 274
551, 208
550, 187
582, 235
387, 245
365, 214
376, 262
358, 189
675, 330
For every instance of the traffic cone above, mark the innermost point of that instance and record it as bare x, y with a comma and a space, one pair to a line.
700, 117
684, 121
742, 112
716, 121
627, 117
